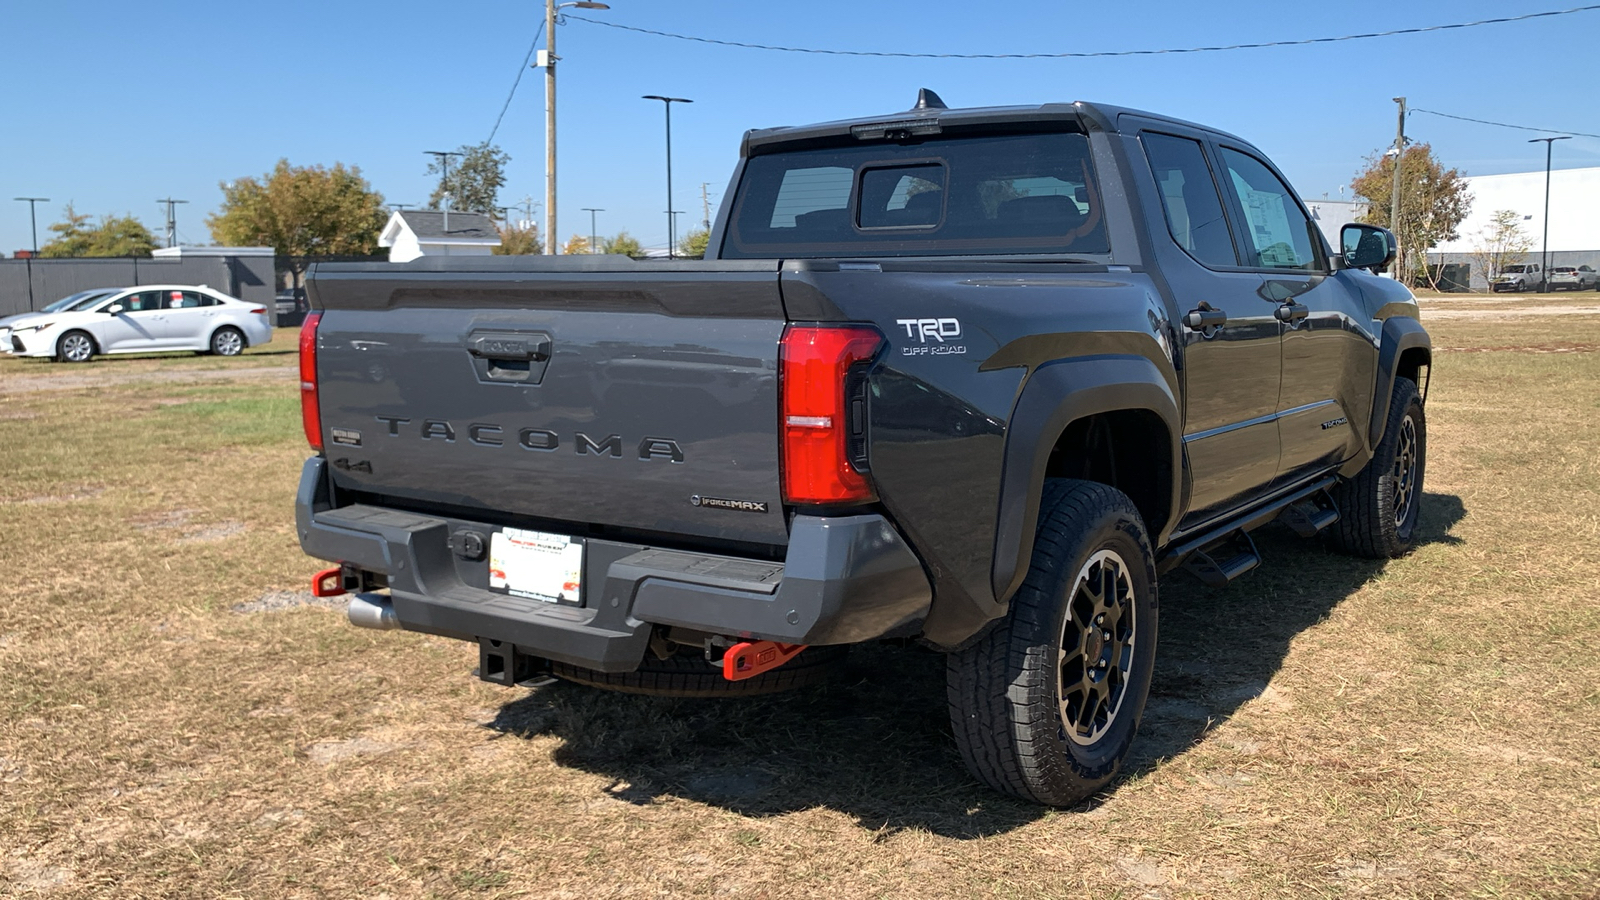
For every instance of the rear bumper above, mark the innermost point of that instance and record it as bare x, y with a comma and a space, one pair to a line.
845, 579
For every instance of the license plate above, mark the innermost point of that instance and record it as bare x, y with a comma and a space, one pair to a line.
536, 564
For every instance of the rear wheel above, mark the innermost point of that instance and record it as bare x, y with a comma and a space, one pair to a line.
690, 675
1378, 508
75, 347
1045, 704
227, 341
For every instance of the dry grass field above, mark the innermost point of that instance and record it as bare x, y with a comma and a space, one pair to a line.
179, 719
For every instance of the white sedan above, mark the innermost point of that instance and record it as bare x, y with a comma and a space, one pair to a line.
145, 319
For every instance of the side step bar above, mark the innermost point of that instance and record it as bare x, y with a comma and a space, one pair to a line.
1225, 560
1221, 554
1310, 516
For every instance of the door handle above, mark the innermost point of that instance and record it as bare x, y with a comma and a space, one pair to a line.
1205, 318
1291, 312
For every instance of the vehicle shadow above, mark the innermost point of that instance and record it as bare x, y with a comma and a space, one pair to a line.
875, 742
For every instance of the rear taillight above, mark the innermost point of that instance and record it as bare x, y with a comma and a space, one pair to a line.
259, 311
310, 406
824, 412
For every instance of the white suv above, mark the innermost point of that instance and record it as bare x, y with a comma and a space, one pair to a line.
1517, 278
142, 320
1573, 278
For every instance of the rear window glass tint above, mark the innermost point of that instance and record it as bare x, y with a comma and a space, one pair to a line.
1000, 194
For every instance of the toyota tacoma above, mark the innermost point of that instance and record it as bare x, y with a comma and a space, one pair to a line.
977, 378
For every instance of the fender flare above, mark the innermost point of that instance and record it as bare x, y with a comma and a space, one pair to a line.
1058, 394
1400, 333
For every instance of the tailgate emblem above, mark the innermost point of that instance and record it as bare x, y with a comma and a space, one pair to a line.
719, 503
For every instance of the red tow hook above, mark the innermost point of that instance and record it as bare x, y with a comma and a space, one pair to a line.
751, 658
328, 583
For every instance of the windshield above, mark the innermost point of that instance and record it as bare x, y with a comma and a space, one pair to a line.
999, 194
74, 300
90, 299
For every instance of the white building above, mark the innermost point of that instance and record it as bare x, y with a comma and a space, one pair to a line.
1574, 216
411, 233
1332, 215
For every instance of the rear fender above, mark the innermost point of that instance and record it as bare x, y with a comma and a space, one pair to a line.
1057, 395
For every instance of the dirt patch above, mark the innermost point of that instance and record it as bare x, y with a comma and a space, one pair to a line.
82, 492
1559, 347
110, 378
325, 753
211, 533
277, 601
1431, 312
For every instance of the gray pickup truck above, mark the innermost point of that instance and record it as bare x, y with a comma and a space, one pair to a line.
972, 377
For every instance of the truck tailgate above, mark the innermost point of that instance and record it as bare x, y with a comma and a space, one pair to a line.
579, 393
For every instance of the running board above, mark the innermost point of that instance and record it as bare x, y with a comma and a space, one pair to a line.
1183, 545
1222, 562
1311, 516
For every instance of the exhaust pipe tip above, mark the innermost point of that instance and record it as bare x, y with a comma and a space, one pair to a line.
373, 611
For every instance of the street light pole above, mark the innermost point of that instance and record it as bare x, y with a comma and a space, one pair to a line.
33, 221
672, 223
1544, 249
548, 60
443, 156
594, 234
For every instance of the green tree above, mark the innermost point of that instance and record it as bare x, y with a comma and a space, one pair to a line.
623, 243
301, 211
694, 244
113, 236
1433, 202
516, 241
475, 179
576, 245
1500, 243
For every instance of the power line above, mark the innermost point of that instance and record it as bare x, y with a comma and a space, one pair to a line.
520, 69
1503, 124
1099, 53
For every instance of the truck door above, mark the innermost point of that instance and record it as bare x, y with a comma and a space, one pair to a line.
1328, 355
1231, 346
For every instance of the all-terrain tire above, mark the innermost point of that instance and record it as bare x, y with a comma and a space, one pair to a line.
689, 675
76, 347
1022, 701
1378, 508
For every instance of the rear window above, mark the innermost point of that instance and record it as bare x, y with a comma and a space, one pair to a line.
1031, 193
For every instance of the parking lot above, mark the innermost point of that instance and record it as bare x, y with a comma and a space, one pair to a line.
178, 717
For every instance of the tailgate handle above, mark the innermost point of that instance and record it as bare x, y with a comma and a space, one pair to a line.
522, 347
517, 357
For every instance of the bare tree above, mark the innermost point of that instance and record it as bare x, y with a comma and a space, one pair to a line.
1500, 243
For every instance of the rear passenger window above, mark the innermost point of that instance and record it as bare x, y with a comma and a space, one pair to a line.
1279, 232
1190, 198
812, 194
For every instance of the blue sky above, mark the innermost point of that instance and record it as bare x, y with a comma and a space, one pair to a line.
112, 105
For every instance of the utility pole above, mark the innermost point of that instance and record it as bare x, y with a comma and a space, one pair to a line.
443, 156
172, 220
1544, 249
33, 220
672, 223
1394, 200
705, 206
594, 234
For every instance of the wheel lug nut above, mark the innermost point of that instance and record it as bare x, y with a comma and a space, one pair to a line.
1105, 635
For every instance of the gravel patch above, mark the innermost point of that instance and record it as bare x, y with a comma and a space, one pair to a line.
110, 378
276, 601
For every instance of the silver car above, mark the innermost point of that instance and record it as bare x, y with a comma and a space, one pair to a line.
142, 320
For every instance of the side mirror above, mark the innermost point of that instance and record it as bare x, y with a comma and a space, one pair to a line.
114, 309
1367, 247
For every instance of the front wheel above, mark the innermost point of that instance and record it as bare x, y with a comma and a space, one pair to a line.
1046, 703
1378, 508
75, 347
227, 341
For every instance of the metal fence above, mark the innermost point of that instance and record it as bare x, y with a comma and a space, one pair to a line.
30, 284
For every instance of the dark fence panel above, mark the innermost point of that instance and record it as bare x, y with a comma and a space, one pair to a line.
246, 277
